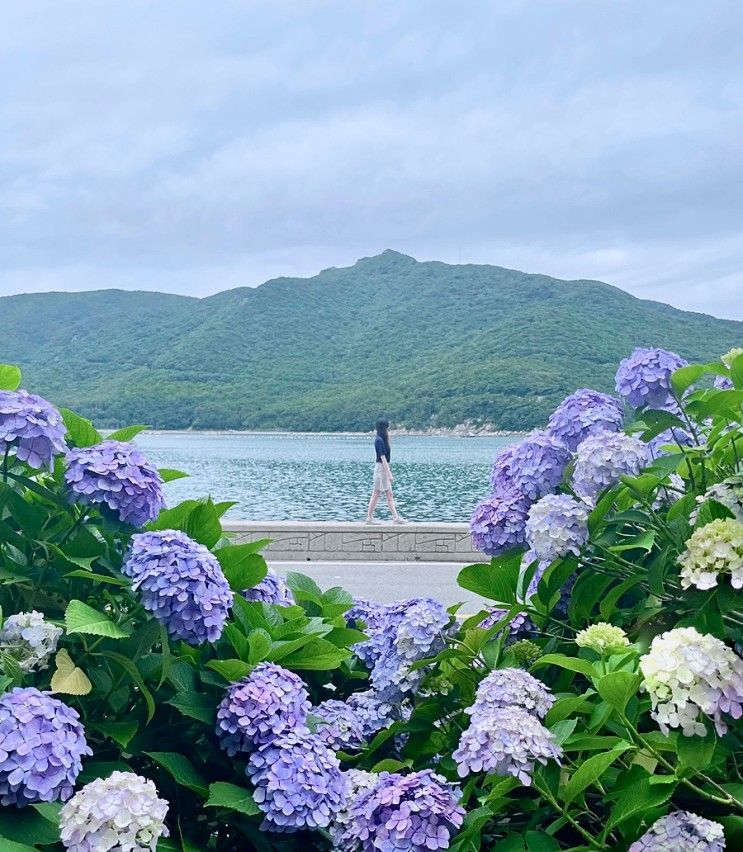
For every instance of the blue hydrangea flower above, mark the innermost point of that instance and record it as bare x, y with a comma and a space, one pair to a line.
272, 589
499, 523
372, 710
505, 741
116, 475
357, 782
519, 627
298, 783
534, 466
339, 725
269, 702
644, 378
584, 413
181, 583
681, 832
556, 525
602, 459
29, 639
414, 812
511, 688
42, 744
32, 427
679, 437
723, 383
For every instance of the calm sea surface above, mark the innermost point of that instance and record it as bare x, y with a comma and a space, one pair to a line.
324, 477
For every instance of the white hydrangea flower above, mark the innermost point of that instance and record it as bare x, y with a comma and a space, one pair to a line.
681, 832
729, 492
603, 459
556, 525
30, 639
688, 673
714, 549
728, 358
669, 492
121, 812
602, 637
358, 781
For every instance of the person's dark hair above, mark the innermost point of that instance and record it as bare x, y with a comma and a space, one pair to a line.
382, 426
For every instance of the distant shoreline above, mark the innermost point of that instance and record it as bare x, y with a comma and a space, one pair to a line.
456, 432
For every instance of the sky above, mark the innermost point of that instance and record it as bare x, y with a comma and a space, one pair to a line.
190, 146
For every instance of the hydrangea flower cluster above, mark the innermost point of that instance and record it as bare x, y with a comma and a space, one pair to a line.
498, 523
298, 783
519, 627
116, 475
402, 812
42, 744
729, 492
29, 639
512, 688
686, 674
714, 549
730, 356
603, 638
181, 583
644, 378
669, 437
681, 832
584, 413
121, 812
269, 702
555, 526
357, 782
339, 725
723, 383
272, 589
534, 466
602, 459
372, 711
32, 426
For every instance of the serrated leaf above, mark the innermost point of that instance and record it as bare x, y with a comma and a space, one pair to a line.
617, 688
242, 567
304, 587
81, 618
182, 770
80, 431
69, 679
590, 771
10, 377
496, 580
194, 704
639, 797
224, 795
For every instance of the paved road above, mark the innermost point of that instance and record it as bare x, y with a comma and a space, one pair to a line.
388, 581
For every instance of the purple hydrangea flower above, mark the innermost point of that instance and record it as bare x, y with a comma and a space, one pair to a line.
723, 383
272, 589
681, 832
32, 426
339, 725
498, 523
556, 525
585, 413
511, 688
42, 744
644, 378
373, 712
519, 627
414, 812
357, 782
118, 476
298, 783
602, 459
181, 583
506, 741
679, 437
269, 702
534, 466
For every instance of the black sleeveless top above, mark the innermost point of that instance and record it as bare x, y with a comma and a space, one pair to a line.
381, 449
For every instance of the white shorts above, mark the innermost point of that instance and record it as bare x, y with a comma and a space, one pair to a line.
381, 480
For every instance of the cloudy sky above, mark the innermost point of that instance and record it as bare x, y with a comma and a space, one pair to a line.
193, 146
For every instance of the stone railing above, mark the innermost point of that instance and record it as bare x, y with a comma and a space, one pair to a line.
350, 542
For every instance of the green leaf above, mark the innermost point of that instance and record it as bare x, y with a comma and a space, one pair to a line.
11, 846
318, 655
609, 600
82, 574
242, 567
120, 732
27, 826
573, 664
617, 688
10, 377
169, 474
391, 765
683, 378
224, 795
80, 431
304, 587
182, 770
259, 643
203, 525
81, 618
540, 841
126, 434
696, 752
640, 797
644, 541
496, 580
136, 676
194, 704
590, 771
232, 670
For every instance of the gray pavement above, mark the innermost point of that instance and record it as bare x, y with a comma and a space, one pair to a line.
389, 581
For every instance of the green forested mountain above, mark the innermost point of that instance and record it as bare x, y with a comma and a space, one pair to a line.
428, 344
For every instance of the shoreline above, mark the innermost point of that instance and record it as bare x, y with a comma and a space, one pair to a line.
455, 432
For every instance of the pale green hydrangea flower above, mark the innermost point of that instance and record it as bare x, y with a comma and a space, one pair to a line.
603, 638
728, 358
714, 549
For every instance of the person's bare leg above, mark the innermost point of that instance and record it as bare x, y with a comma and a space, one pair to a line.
393, 509
372, 506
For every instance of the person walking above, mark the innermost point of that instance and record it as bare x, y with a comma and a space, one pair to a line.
383, 478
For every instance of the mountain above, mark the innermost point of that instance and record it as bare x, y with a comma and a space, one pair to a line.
425, 343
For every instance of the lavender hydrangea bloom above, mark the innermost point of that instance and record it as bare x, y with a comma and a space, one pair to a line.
181, 583
272, 589
644, 378
269, 702
506, 741
556, 525
298, 783
602, 459
29, 639
679, 437
121, 812
373, 712
723, 383
499, 523
32, 426
681, 832
42, 744
519, 627
534, 466
357, 782
118, 476
511, 688
414, 812
339, 725
585, 413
